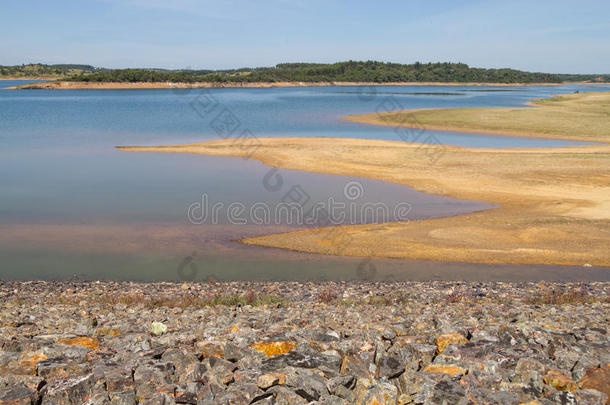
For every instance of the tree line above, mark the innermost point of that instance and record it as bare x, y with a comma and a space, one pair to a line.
350, 71
43, 70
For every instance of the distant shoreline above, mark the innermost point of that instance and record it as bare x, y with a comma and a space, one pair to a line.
29, 78
67, 85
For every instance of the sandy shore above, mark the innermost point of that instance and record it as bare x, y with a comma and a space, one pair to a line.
554, 203
66, 85
578, 117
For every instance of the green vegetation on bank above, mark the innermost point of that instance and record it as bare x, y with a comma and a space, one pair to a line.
38, 70
351, 71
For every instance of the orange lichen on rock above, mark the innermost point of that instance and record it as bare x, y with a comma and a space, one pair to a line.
212, 350
274, 348
84, 341
28, 361
445, 369
107, 332
443, 341
557, 380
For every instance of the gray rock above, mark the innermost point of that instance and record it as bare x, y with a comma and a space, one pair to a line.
123, 398
307, 384
285, 396
67, 392
346, 381
390, 367
381, 393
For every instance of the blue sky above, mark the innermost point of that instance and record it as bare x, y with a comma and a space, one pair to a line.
551, 36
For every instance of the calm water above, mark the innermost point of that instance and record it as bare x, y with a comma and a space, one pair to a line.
72, 204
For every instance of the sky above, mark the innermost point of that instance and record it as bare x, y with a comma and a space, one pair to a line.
556, 36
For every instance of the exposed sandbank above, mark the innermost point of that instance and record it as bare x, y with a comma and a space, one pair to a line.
554, 202
579, 117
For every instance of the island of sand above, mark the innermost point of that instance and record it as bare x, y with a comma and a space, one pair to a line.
554, 203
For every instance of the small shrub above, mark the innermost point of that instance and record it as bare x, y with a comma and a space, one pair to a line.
327, 294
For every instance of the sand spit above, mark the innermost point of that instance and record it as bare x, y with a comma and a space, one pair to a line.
554, 203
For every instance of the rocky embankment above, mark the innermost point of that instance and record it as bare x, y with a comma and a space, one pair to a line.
289, 342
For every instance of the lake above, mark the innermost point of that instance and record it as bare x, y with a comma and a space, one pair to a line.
73, 205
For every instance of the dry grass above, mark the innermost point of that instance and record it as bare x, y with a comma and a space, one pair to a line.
327, 294
178, 300
573, 296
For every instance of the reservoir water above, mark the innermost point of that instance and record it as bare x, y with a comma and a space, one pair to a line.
71, 204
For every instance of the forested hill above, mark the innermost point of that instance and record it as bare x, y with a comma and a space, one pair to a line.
39, 70
352, 71
378, 72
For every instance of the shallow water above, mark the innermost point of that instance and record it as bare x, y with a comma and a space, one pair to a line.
72, 204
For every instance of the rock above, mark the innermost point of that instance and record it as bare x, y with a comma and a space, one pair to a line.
68, 391
189, 393
388, 334
274, 348
118, 380
305, 383
270, 379
352, 365
591, 397
451, 370
84, 341
303, 359
123, 398
389, 367
445, 391
159, 399
597, 379
18, 394
233, 353
381, 393
285, 396
208, 349
559, 381
238, 394
100, 398
496, 343
345, 381
153, 377
345, 393
442, 341
158, 328
61, 368
526, 369
20, 363
186, 365
333, 400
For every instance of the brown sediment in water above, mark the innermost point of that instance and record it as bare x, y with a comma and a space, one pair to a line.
554, 202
